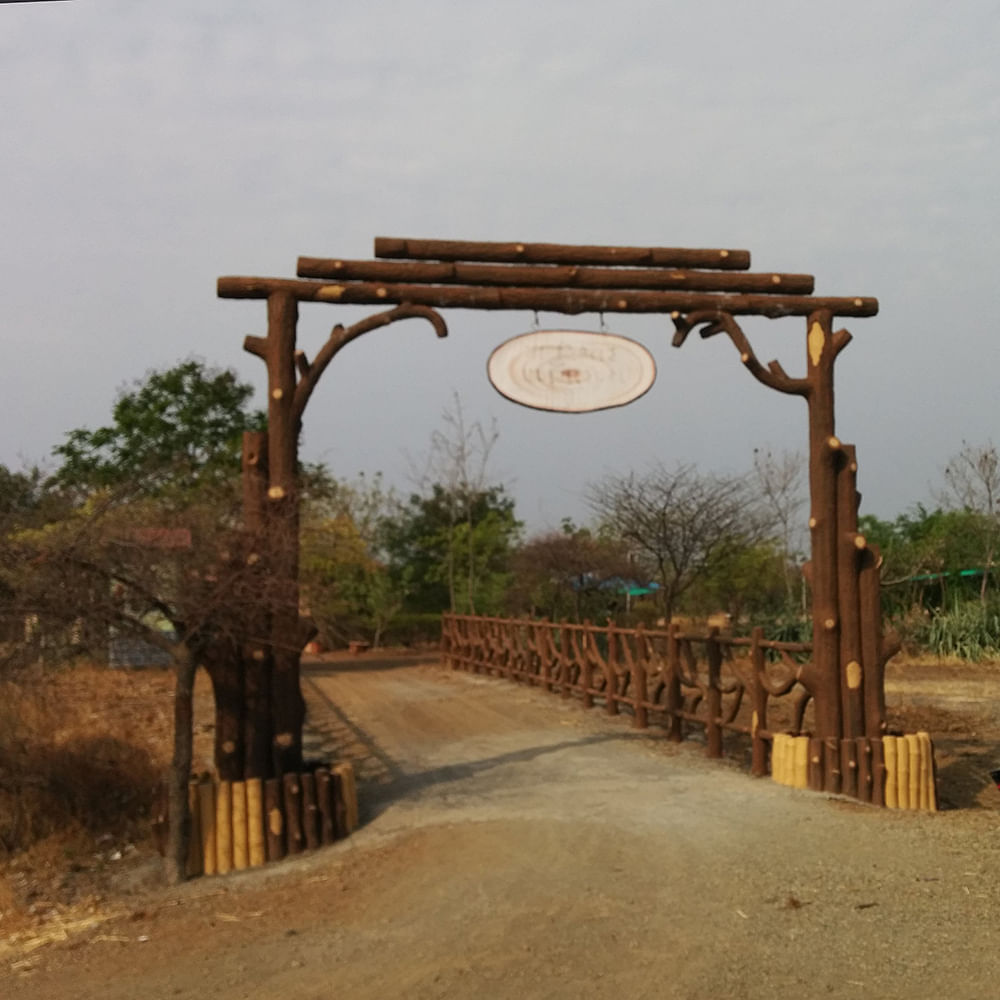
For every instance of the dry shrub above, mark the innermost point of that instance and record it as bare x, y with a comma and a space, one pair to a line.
80, 752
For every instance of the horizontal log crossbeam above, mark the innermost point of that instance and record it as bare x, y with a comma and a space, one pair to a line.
551, 277
559, 253
570, 301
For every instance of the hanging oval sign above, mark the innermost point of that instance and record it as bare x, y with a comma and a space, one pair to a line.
571, 371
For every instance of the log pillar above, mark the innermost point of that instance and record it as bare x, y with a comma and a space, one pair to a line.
823, 450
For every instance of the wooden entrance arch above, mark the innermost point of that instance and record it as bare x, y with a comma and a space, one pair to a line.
699, 289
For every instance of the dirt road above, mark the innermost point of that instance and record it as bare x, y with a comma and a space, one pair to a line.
516, 846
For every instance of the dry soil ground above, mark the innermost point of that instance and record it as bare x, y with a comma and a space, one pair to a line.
514, 845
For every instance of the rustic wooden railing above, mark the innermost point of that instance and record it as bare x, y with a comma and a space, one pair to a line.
678, 679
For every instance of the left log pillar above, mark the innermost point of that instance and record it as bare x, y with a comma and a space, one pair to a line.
256, 651
282, 529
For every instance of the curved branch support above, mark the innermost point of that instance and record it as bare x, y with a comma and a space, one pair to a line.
340, 336
714, 322
799, 712
777, 688
840, 340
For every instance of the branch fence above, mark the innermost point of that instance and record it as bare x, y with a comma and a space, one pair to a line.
741, 693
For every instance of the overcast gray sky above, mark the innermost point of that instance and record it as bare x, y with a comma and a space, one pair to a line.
149, 148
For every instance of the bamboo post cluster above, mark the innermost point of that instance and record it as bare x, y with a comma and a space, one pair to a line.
244, 824
698, 289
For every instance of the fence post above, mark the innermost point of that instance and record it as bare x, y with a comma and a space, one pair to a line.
674, 699
758, 696
713, 698
610, 674
564, 659
587, 669
639, 694
446, 641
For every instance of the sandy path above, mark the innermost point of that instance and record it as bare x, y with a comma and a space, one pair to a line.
517, 846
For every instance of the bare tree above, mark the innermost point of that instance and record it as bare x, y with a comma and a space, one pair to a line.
678, 520
972, 483
458, 462
780, 480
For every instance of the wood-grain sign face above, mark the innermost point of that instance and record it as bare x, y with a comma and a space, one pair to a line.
571, 371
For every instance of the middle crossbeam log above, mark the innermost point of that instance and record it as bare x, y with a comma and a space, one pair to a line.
553, 276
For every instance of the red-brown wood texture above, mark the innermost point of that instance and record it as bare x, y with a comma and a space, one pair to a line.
294, 837
559, 253
310, 810
553, 276
570, 301
274, 819
325, 804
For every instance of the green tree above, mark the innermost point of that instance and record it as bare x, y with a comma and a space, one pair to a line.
180, 426
747, 581
27, 498
925, 554
426, 542
344, 560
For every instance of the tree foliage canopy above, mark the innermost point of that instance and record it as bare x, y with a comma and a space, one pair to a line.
180, 425
458, 563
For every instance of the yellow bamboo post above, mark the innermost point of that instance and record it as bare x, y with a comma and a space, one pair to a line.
224, 827
889, 755
778, 746
913, 753
922, 783
241, 852
256, 851
928, 759
194, 865
902, 772
800, 777
206, 810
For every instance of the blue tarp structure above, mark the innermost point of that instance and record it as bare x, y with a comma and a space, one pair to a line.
615, 585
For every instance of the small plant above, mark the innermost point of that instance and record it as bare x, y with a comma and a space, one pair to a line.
967, 631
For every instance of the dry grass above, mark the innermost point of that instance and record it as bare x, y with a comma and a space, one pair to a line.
83, 754
80, 752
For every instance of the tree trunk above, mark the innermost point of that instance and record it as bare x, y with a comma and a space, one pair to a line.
179, 829
224, 663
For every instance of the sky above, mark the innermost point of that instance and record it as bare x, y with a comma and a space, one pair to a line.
150, 148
